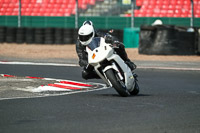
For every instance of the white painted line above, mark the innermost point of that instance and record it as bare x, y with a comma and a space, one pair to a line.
39, 64
172, 68
49, 88
58, 64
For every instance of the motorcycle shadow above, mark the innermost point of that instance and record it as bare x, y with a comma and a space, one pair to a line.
117, 95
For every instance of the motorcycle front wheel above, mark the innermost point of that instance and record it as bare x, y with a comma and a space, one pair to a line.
117, 84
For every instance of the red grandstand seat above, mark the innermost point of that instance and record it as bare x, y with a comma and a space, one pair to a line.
91, 2
180, 2
1, 1
25, 1
172, 7
170, 13
184, 15
38, 7
61, 10
152, 2
3, 10
2, 13
136, 12
6, 1
139, 2
197, 11
186, 2
197, 15
59, 1
33, 1
67, 14
46, 14
5, 5
65, 2
14, 13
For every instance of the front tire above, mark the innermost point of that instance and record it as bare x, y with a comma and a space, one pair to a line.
136, 89
117, 84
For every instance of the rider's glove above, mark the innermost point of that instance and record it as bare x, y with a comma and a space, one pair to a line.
108, 38
117, 44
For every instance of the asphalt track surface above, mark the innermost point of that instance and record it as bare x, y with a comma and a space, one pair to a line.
169, 102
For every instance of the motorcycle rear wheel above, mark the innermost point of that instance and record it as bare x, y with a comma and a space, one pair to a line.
117, 84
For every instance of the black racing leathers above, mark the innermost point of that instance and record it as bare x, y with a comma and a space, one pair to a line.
81, 51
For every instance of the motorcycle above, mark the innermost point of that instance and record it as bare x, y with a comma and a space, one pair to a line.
111, 68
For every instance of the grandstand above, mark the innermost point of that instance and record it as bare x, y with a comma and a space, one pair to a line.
145, 8
42, 7
166, 8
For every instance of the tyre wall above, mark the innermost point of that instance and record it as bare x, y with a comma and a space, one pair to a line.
45, 35
37, 35
168, 40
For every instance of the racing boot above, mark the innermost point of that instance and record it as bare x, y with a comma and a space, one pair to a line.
131, 65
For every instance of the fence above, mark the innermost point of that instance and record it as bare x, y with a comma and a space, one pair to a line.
109, 22
105, 14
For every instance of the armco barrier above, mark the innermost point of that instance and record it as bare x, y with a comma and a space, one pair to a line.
167, 40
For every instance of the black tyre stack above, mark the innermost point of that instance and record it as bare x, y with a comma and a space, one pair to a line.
75, 36
67, 36
39, 36
58, 36
49, 35
2, 34
20, 35
11, 34
30, 35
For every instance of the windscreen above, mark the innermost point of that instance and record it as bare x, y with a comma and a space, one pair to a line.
94, 43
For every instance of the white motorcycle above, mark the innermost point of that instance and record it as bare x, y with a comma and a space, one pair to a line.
111, 68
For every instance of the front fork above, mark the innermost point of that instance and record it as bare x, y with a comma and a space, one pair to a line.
103, 76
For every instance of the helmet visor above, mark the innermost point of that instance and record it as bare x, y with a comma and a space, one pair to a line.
84, 38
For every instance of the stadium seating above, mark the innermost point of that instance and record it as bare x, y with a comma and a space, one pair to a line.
148, 8
166, 8
43, 7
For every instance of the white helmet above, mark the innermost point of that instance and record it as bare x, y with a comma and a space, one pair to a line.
88, 22
85, 34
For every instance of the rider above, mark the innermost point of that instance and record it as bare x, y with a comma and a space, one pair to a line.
85, 35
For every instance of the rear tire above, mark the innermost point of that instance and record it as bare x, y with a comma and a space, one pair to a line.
117, 84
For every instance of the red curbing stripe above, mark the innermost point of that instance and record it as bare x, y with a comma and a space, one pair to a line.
75, 83
64, 87
6, 75
34, 77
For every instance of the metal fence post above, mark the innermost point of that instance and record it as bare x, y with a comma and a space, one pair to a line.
192, 14
132, 13
19, 14
76, 15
